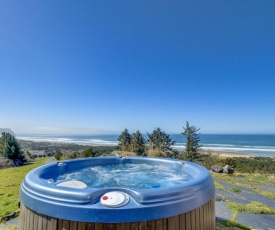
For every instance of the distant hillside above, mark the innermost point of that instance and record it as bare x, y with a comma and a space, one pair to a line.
2, 130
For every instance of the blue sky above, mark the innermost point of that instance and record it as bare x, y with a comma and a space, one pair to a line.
95, 67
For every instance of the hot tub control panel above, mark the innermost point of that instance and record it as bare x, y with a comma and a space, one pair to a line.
114, 199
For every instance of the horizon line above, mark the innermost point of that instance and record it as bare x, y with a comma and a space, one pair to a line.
102, 134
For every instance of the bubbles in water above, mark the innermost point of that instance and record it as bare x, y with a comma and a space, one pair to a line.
136, 176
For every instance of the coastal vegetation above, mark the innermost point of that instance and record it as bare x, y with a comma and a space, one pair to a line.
192, 148
58, 156
160, 144
138, 143
61, 150
131, 143
89, 152
124, 141
66, 148
10, 148
263, 165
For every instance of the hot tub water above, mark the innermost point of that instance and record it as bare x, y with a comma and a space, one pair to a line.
133, 176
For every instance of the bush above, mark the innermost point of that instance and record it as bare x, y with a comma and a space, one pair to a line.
241, 164
73, 156
228, 161
255, 165
207, 160
89, 152
33, 156
58, 156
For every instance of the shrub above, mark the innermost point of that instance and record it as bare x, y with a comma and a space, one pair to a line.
89, 152
228, 161
255, 165
58, 156
73, 156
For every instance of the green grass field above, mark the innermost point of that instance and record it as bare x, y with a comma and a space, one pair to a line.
10, 180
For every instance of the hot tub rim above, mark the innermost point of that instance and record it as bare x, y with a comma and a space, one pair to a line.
201, 192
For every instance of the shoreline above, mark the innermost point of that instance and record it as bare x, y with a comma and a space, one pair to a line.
227, 154
53, 144
239, 152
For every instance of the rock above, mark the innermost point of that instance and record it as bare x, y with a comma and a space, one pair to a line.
216, 168
228, 169
5, 163
218, 198
17, 162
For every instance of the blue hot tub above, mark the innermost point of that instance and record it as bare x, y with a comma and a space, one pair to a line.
111, 190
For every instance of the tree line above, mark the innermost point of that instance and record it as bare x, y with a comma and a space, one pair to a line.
160, 144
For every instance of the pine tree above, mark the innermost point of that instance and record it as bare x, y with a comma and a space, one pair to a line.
159, 141
124, 141
192, 148
138, 143
10, 148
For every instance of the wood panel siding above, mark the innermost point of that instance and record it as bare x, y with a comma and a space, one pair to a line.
202, 218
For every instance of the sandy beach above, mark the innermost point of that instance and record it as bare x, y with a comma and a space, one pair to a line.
227, 154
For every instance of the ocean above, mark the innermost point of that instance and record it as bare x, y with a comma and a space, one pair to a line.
253, 144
